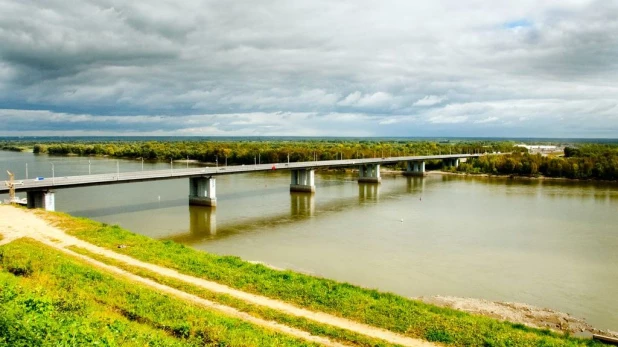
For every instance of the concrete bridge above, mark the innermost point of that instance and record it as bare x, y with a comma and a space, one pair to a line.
202, 181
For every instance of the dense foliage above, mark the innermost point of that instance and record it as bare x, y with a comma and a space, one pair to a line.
590, 161
246, 152
586, 161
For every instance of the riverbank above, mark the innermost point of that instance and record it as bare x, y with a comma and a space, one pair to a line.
532, 316
517, 177
401, 316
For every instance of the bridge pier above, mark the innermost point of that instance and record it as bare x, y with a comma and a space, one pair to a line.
369, 173
450, 162
303, 180
202, 191
44, 199
415, 168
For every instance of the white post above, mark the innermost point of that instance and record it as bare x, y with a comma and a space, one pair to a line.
53, 174
89, 166
26, 170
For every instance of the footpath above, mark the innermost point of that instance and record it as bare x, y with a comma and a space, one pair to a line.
17, 223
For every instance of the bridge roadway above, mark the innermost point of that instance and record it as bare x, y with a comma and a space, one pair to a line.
56, 183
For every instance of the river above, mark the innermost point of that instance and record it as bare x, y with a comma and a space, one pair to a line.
543, 242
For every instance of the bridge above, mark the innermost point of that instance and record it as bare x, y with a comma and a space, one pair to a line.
202, 181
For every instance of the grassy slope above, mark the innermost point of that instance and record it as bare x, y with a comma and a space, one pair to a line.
385, 310
336, 334
48, 299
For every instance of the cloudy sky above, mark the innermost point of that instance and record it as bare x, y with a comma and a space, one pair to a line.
539, 68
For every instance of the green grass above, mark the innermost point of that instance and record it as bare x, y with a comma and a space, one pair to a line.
50, 299
385, 310
333, 333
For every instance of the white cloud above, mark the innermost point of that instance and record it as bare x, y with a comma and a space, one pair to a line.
487, 120
429, 100
448, 119
390, 63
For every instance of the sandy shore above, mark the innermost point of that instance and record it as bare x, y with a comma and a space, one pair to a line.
529, 315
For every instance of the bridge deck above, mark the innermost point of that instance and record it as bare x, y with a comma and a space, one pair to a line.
153, 175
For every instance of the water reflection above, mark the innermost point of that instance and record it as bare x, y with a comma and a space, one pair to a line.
368, 192
203, 221
99, 212
302, 205
415, 184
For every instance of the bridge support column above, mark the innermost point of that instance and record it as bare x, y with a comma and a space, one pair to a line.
303, 180
369, 173
202, 191
44, 199
450, 162
415, 168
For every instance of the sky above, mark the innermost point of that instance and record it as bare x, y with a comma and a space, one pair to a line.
479, 68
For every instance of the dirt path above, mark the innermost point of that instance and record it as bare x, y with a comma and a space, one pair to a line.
16, 223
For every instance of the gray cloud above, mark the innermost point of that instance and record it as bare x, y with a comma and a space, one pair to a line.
309, 68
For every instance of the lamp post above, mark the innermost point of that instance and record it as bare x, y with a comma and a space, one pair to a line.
171, 167
142, 163
26, 170
226, 160
216, 161
254, 160
89, 166
53, 173
259, 158
187, 161
117, 169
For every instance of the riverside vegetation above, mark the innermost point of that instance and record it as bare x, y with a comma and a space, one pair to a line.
583, 161
37, 275
587, 161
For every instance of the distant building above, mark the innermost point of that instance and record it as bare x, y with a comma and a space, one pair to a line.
538, 147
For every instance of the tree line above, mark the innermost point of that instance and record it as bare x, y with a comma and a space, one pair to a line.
587, 161
584, 161
247, 152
